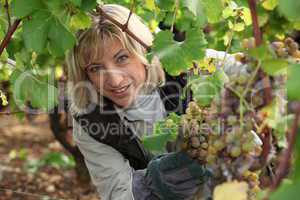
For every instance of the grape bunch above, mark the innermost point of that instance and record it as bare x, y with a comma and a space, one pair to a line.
287, 49
223, 136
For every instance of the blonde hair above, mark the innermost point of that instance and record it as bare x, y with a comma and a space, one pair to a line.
89, 46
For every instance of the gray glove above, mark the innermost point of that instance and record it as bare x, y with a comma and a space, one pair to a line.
173, 176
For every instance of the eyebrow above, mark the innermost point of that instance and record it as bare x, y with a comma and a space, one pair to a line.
119, 52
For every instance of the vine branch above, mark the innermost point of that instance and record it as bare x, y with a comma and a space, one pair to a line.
124, 27
6, 6
256, 30
9, 35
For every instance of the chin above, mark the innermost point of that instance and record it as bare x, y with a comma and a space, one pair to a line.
123, 103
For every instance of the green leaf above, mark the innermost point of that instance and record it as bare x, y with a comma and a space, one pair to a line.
88, 5
260, 53
35, 31
165, 4
22, 8
287, 190
274, 67
293, 83
194, 6
61, 39
27, 87
206, 88
77, 2
213, 9
157, 143
177, 57
80, 21
58, 160
290, 9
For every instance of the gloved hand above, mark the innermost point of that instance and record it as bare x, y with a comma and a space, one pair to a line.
173, 176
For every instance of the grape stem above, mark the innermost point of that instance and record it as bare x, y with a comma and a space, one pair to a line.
9, 35
284, 162
174, 16
124, 27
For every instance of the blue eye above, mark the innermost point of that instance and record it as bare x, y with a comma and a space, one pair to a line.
122, 58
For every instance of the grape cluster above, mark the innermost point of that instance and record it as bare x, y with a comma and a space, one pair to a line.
220, 138
287, 49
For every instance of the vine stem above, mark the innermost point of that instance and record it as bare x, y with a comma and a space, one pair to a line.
9, 35
123, 27
284, 164
6, 6
175, 13
256, 29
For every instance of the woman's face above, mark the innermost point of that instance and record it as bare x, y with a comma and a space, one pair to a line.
118, 74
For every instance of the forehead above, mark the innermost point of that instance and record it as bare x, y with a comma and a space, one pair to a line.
108, 49
99, 47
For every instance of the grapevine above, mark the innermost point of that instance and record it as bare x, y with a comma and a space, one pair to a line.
242, 123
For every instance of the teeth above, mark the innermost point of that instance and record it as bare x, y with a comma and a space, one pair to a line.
121, 90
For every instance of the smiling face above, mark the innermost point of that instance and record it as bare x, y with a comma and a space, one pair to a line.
118, 74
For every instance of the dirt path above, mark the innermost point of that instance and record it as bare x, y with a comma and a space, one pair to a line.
35, 138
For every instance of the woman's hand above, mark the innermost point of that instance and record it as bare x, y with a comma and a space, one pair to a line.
175, 176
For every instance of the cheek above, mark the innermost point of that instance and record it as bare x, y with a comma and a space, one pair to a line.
97, 83
140, 74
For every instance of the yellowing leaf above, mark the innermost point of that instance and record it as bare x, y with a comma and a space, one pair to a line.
3, 98
150, 4
270, 4
231, 191
238, 27
246, 17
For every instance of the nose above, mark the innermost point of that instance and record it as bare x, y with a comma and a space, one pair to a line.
114, 79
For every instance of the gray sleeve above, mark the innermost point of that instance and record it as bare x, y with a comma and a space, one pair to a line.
109, 170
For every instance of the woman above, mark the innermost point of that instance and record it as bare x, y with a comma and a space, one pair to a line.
116, 96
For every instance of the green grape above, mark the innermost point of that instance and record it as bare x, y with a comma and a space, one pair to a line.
204, 145
202, 153
243, 78
219, 145
211, 159
248, 147
235, 151
195, 142
169, 123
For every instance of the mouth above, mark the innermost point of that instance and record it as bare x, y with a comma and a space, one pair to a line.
120, 91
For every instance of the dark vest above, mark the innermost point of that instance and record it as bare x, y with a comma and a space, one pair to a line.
108, 128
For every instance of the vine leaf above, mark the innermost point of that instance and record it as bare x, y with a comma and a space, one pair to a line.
274, 66
61, 39
165, 4
213, 10
163, 132
76, 2
290, 9
206, 88
27, 87
80, 21
35, 31
225, 191
270, 4
23, 8
293, 83
87, 5
177, 57
287, 190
